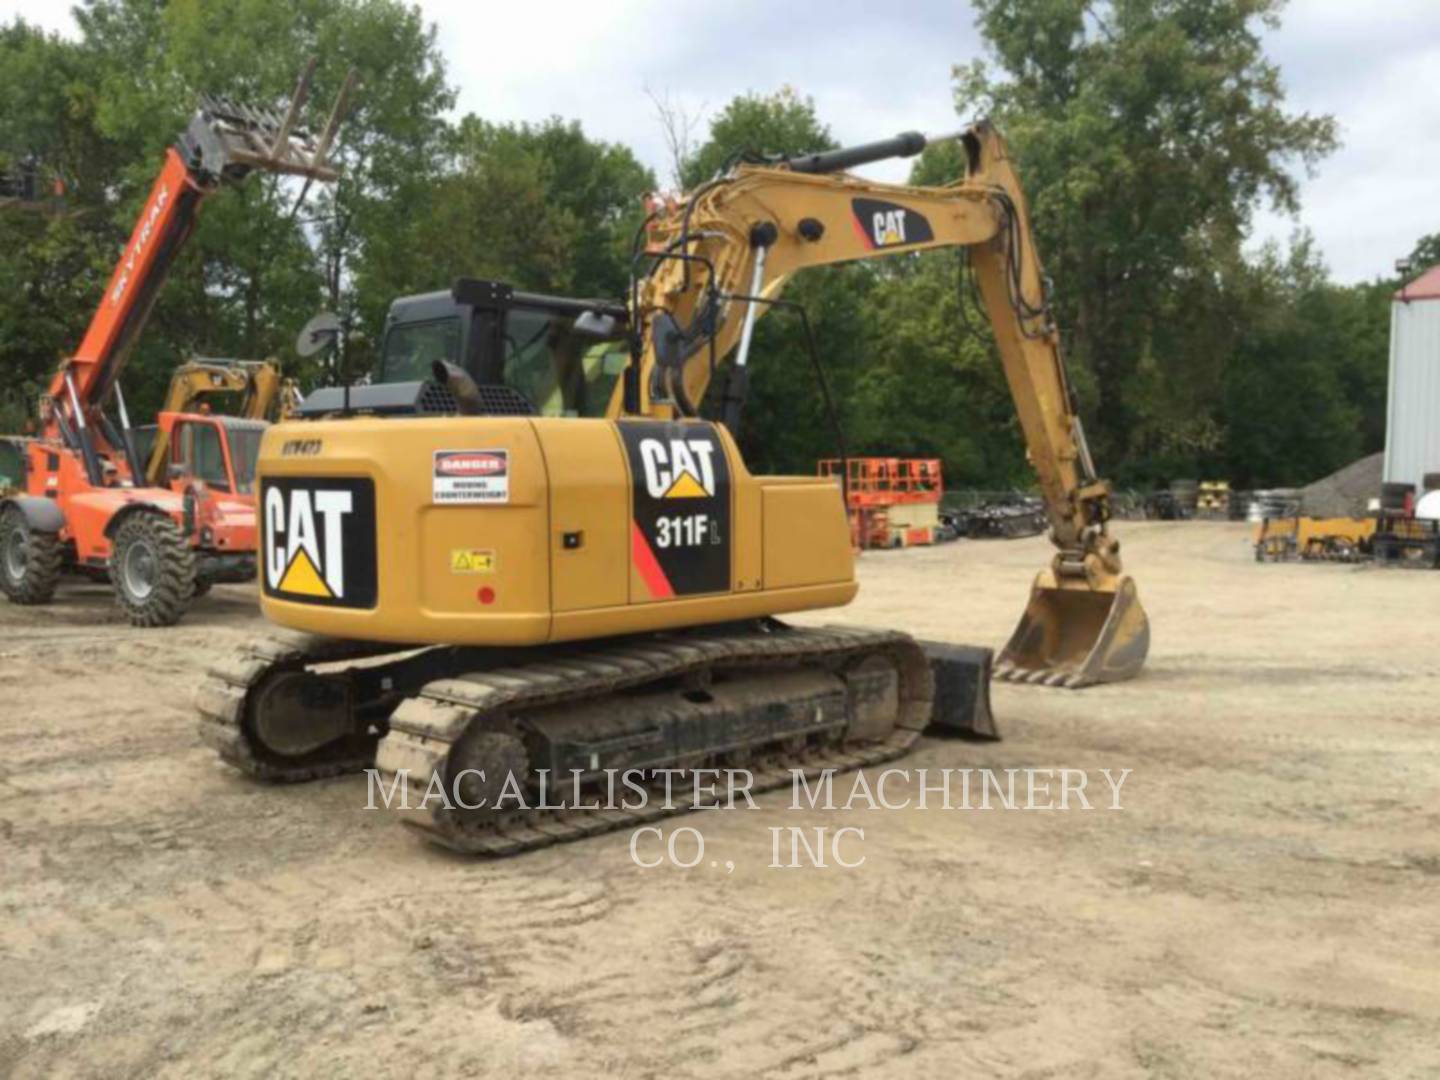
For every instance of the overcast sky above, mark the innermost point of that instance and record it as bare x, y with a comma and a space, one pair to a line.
878, 68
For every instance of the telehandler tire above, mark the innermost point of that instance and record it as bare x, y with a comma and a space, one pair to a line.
152, 569
30, 560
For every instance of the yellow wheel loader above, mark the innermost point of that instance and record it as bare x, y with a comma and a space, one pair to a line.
519, 552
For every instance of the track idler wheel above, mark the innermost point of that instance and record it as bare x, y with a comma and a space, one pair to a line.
299, 712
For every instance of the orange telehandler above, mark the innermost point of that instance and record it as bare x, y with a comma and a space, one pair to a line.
85, 505
208, 458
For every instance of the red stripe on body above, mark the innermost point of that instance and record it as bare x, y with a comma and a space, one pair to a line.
649, 567
862, 232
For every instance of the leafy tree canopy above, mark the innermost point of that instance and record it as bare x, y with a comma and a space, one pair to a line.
1147, 133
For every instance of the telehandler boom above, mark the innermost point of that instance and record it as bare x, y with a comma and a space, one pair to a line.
520, 554
86, 506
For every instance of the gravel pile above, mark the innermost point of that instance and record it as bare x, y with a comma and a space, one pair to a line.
1346, 491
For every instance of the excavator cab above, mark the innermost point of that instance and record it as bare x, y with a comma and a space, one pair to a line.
563, 356
527, 354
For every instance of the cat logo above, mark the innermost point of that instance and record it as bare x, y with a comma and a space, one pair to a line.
678, 468
296, 550
679, 509
888, 227
881, 224
319, 541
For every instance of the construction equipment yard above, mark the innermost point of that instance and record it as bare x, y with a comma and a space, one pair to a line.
1263, 903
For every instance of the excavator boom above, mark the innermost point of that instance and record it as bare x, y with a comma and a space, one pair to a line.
722, 255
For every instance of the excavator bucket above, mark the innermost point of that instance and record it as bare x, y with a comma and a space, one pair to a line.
1074, 635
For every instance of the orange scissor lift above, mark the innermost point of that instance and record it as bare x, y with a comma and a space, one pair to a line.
893, 502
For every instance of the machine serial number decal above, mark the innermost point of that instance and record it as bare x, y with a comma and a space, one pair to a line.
472, 476
679, 508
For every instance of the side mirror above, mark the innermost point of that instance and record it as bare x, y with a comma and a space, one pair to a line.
596, 324
320, 332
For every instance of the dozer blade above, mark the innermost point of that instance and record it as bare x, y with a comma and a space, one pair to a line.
1077, 636
962, 676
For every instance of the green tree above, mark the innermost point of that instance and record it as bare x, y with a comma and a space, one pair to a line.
931, 384
540, 206
51, 254
1425, 254
1147, 132
1291, 412
758, 126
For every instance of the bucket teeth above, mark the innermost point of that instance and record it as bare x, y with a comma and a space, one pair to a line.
1065, 680
1074, 636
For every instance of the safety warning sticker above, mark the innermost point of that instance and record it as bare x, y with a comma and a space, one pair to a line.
472, 476
472, 561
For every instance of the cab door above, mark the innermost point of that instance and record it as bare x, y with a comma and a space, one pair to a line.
199, 448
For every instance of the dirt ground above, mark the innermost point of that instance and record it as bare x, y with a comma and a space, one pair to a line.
1263, 904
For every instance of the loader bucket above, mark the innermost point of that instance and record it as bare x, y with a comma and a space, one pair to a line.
1077, 636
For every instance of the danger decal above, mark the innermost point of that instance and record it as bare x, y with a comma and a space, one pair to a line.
318, 540
680, 507
472, 476
882, 224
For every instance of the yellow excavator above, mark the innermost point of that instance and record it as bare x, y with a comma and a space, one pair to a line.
263, 395
519, 551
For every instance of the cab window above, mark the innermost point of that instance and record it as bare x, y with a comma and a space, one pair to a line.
411, 349
202, 454
244, 454
561, 372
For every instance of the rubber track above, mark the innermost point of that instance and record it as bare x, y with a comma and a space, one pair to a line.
221, 699
425, 726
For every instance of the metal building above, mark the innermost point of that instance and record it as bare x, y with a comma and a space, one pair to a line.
1412, 415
